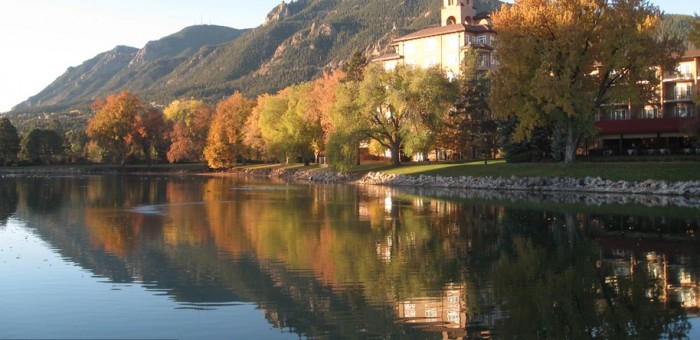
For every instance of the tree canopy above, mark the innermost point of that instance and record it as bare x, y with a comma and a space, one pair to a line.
403, 107
9, 141
561, 61
113, 124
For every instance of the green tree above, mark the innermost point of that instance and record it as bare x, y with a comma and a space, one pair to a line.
354, 67
285, 127
561, 61
76, 145
114, 122
405, 105
344, 141
470, 126
694, 34
9, 142
41, 145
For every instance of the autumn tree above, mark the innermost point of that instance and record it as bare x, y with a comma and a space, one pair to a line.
191, 120
561, 61
284, 127
252, 135
113, 124
317, 111
150, 134
41, 145
403, 107
9, 142
226, 134
349, 129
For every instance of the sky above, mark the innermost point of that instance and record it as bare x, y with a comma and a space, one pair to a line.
40, 39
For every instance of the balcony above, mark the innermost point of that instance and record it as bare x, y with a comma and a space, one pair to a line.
671, 77
682, 94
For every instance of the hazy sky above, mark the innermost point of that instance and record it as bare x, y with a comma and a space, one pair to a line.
40, 39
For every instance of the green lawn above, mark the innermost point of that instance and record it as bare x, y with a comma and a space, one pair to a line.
639, 171
629, 171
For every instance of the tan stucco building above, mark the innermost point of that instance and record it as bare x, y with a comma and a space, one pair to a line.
461, 28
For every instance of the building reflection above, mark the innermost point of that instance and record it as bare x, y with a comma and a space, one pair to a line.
446, 313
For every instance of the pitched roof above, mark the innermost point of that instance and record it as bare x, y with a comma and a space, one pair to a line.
387, 57
691, 53
440, 30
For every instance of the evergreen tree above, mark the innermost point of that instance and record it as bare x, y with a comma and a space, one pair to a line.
470, 128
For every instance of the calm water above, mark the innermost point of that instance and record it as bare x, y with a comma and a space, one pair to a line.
218, 257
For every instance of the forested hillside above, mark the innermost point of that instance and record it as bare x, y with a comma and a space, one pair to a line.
298, 41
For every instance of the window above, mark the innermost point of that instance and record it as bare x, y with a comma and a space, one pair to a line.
682, 91
684, 71
649, 112
453, 316
680, 111
431, 313
619, 114
410, 310
481, 39
483, 60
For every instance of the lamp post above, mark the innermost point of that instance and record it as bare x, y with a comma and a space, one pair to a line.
486, 139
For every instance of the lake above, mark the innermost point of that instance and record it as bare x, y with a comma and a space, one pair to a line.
213, 257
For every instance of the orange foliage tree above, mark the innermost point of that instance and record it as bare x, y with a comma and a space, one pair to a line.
226, 133
112, 126
151, 134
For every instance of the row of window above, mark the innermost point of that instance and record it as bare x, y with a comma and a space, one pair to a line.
680, 111
431, 44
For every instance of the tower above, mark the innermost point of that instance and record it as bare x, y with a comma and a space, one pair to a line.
457, 12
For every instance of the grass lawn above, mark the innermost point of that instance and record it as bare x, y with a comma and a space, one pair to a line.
638, 171
629, 171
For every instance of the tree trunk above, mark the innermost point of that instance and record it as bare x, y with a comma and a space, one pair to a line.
572, 140
395, 154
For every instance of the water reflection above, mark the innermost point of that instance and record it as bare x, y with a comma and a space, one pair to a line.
329, 261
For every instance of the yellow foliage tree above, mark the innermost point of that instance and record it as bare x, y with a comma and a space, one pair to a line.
561, 61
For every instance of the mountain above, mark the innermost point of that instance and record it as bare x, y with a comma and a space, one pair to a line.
297, 42
128, 68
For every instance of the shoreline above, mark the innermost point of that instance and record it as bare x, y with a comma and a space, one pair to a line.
588, 185
536, 185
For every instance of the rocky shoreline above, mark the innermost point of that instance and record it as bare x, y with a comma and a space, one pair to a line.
530, 184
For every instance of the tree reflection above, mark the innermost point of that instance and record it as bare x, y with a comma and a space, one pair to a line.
561, 287
323, 260
8, 199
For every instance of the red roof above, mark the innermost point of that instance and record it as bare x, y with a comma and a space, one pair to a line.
440, 30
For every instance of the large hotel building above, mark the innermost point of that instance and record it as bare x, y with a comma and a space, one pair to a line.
653, 129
